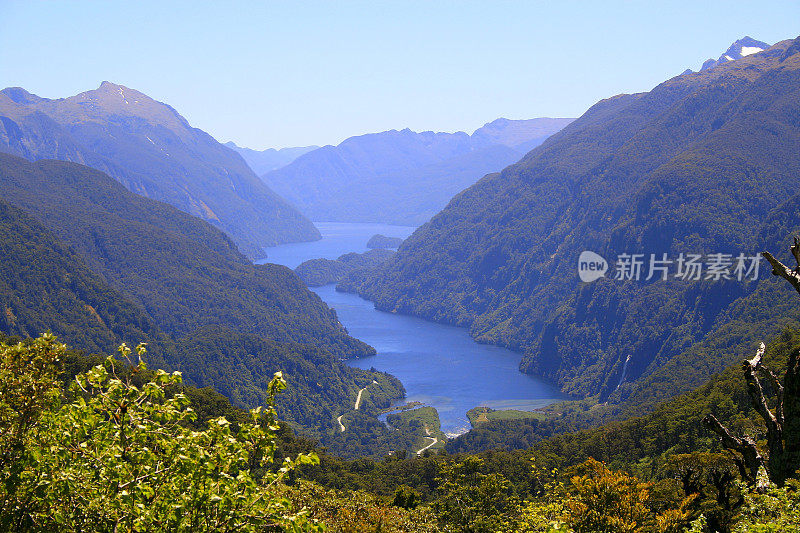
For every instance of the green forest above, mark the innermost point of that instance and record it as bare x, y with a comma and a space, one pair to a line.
98, 265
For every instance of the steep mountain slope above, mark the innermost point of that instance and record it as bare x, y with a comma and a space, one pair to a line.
153, 151
693, 166
402, 176
263, 161
231, 324
46, 286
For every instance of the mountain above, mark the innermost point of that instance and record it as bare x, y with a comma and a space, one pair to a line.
743, 47
695, 166
264, 161
152, 150
88, 255
402, 177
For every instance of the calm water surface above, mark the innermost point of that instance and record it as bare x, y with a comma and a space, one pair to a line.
337, 238
439, 365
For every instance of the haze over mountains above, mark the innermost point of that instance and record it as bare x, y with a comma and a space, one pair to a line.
152, 150
703, 164
402, 177
263, 161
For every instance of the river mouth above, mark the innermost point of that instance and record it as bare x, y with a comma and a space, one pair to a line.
439, 365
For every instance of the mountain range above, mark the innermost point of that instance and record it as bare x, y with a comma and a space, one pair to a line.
402, 177
152, 150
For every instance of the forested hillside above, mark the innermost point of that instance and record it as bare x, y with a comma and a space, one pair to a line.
152, 150
663, 472
695, 166
100, 265
46, 286
318, 272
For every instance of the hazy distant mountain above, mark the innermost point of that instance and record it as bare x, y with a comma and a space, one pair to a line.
152, 150
402, 176
270, 159
522, 135
743, 47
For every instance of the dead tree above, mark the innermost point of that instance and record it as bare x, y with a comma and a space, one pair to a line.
783, 424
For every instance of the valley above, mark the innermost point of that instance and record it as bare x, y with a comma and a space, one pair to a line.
439, 365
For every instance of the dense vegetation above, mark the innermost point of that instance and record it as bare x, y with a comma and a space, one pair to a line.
382, 241
700, 164
113, 456
153, 151
320, 387
318, 272
402, 177
46, 286
118, 448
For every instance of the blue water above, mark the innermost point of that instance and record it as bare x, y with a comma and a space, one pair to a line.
337, 238
439, 365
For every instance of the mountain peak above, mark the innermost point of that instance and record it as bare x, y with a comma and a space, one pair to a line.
741, 48
109, 85
115, 99
109, 91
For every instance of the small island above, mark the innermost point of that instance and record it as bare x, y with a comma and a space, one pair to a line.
318, 272
382, 241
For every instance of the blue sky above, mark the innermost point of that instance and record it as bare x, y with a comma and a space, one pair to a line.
274, 74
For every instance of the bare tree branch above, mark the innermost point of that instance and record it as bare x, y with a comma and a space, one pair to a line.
755, 362
783, 426
756, 392
781, 270
778, 388
744, 445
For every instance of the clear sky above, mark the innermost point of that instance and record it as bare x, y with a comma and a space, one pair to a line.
274, 74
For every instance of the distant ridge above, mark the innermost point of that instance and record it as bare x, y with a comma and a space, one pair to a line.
263, 161
403, 177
